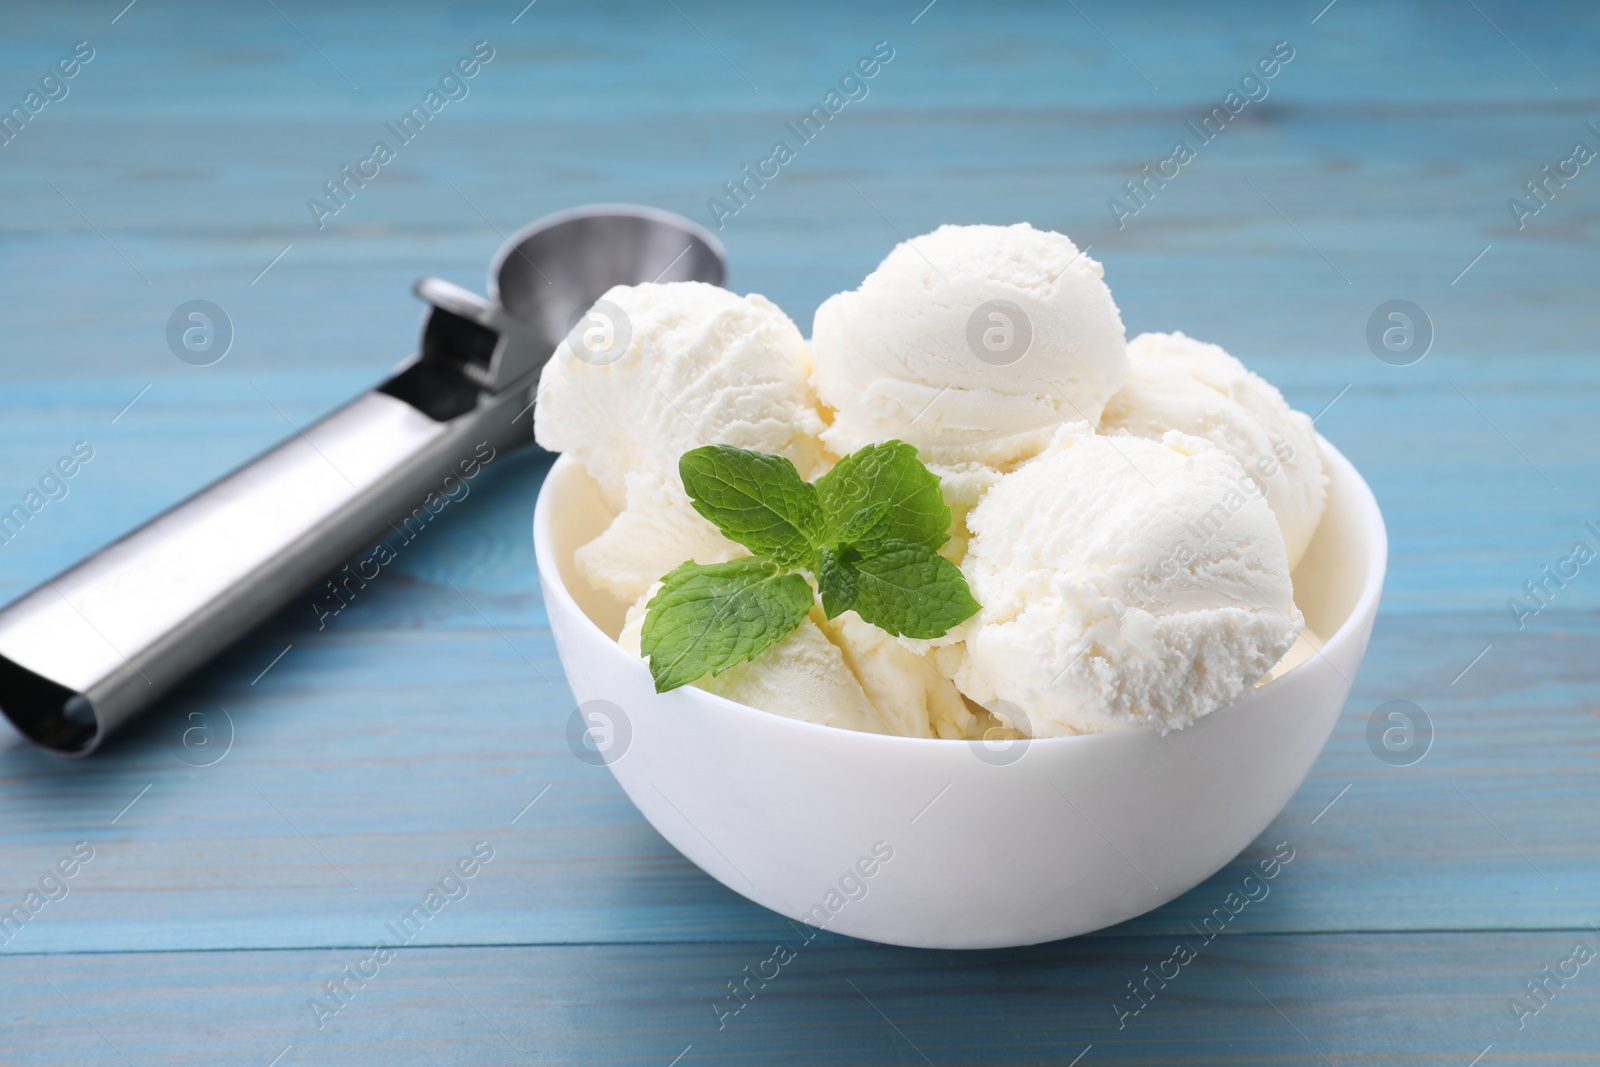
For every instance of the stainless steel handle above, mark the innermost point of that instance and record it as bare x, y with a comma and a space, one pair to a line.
90, 648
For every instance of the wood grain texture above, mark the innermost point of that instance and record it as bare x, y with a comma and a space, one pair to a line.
1260, 999
428, 714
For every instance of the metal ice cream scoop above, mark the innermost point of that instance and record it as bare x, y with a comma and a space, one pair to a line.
92, 647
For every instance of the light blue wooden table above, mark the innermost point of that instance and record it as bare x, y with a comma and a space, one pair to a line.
367, 757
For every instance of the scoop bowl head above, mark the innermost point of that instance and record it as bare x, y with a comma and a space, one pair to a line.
554, 268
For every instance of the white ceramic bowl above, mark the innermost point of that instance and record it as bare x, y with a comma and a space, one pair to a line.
951, 844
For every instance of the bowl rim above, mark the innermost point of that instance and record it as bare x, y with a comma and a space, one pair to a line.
554, 587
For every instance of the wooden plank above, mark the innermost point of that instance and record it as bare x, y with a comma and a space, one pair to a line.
1208, 254
1400, 998
212, 185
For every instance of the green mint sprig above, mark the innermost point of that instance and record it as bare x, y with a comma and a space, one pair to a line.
867, 532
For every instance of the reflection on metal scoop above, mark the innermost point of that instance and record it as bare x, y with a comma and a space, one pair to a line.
89, 649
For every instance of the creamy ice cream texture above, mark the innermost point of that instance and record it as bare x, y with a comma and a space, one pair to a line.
704, 366
972, 343
1134, 576
1109, 596
1178, 383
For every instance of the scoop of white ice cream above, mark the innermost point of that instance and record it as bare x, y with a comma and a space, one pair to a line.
1112, 594
804, 677
703, 366
1178, 383
972, 343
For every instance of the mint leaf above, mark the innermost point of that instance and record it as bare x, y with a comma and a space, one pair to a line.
705, 619
883, 493
868, 530
910, 590
757, 500
836, 580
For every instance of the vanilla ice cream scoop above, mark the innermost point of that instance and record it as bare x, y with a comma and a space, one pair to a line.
658, 370
972, 343
1178, 383
697, 365
1113, 595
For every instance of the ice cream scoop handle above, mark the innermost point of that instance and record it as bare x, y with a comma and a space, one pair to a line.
93, 646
